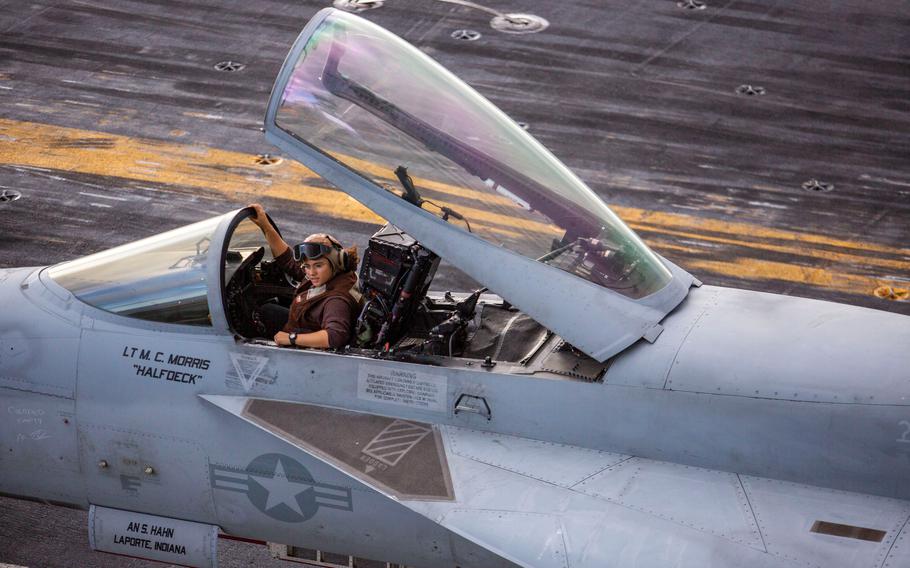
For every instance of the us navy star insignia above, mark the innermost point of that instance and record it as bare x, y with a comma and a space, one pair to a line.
281, 488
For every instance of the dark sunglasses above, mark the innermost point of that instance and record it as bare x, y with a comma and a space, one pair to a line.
310, 251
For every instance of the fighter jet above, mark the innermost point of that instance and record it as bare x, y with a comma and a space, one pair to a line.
591, 405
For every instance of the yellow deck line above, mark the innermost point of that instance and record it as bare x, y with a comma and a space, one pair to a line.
768, 270
823, 254
237, 175
680, 221
752, 269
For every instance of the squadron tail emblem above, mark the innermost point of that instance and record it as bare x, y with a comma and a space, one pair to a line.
247, 368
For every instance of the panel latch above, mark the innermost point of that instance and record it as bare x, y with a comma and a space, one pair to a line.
475, 404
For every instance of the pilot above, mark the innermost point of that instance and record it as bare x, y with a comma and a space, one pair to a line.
326, 301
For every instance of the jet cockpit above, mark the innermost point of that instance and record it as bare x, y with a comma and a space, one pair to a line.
217, 274
456, 178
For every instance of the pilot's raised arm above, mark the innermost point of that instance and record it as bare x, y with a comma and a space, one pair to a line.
276, 243
324, 305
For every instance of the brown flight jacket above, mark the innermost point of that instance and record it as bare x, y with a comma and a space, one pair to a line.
333, 309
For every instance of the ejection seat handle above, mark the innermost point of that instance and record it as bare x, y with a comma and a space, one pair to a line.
473, 404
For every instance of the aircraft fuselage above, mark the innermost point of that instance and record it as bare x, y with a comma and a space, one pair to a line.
106, 410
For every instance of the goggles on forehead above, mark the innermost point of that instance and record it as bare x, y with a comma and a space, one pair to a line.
310, 251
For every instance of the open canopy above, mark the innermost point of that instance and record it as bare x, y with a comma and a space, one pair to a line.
355, 103
375, 103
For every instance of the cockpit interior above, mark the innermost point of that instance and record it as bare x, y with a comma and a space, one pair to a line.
170, 279
399, 317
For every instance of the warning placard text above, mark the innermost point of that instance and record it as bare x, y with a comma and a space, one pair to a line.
405, 387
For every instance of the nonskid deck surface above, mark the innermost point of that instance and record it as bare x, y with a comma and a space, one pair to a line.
115, 125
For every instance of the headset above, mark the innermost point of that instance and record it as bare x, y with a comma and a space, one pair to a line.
313, 249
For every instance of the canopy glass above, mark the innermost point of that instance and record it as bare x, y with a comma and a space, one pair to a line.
161, 278
373, 102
